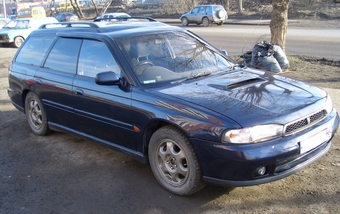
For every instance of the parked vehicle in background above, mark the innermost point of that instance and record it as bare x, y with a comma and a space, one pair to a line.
62, 6
3, 21
17, 30
167, 97
111, 17
66, 17
205, 14
32, 12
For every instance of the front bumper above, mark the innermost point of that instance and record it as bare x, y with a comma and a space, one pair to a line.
237, 165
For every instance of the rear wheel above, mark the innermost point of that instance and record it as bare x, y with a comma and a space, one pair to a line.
185, 21
36, 115
174, 162
18, 41
205, 22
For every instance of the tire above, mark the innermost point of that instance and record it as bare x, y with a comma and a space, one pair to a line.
174, 162
185, 21
220, 14
205, 22
36, 115
18, 41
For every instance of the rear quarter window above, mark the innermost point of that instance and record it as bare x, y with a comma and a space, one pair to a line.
34, 50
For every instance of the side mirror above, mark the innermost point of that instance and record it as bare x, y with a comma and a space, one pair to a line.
108, 78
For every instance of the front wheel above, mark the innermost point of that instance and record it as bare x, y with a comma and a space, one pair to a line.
36, 115
174, 162
185, 21
18, 41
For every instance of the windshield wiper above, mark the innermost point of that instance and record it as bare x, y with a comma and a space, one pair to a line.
193, 76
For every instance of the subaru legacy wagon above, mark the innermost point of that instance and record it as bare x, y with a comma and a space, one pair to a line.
170, 99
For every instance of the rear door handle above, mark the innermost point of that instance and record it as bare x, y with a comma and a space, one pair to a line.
38, 82
79, 92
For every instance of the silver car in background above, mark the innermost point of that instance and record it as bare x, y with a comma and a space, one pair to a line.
205, 14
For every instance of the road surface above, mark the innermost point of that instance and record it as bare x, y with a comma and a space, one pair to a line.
322, 42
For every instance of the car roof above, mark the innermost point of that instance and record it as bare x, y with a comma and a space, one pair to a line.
116, 14
209, 5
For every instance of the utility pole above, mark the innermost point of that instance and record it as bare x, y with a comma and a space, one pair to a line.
4, 5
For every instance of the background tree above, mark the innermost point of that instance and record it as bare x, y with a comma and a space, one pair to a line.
279, 22
96, 8
52, 5
225, 4
106, 6
77, 9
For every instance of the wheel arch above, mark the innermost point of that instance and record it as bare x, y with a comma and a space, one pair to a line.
152, 127
23, 98
205, 17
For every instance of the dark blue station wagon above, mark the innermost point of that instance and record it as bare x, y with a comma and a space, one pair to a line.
168, 98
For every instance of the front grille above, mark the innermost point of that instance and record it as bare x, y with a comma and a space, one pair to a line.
304, 122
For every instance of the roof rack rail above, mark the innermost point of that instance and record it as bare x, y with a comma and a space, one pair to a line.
70, 24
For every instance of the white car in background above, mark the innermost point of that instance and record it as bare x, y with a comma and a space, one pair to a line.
111, 17
16, 31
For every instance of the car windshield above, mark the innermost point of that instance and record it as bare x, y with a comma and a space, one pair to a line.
170, 56
17, 24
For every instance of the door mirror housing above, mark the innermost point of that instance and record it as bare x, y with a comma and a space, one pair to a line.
108, 78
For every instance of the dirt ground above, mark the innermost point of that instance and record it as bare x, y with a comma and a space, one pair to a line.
60, 173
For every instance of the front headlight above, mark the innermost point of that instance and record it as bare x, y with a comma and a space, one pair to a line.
253, 134
329, 104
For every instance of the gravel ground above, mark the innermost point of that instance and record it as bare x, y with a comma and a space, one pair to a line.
64, 174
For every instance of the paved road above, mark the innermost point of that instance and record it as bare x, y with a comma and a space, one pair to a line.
320, 42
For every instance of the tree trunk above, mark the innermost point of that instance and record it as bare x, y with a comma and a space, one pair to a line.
77, 9
279, 22
240, 7
225, 4
106, 6
96, 8
52, 5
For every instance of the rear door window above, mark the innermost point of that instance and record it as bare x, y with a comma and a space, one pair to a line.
34, 50
202, 10
64, 55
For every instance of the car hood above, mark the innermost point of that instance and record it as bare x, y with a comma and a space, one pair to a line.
249, 96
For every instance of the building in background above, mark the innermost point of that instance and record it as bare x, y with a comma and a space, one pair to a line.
13, 6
